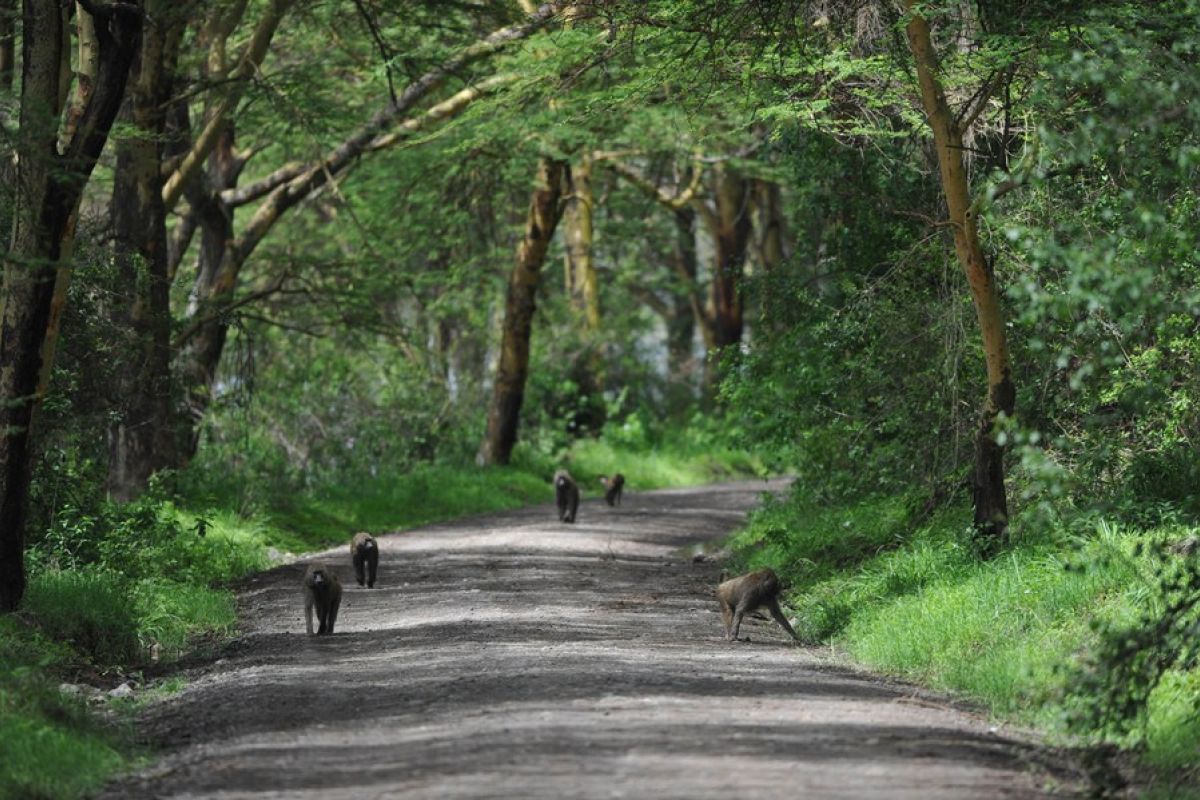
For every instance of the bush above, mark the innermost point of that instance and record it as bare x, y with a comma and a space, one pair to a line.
92, 610
49, 745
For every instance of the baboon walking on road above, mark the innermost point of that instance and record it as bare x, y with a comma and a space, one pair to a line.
740, 596
364, 552
612, 488
566, 496
323, 590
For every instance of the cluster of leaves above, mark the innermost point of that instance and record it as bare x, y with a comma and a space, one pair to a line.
1110, 693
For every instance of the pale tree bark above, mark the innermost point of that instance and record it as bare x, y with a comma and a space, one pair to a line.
579, 235
252, 58
583, 288
512, 369
990, 498
49, 187
141, 435
769, 241
86, 70
202, 340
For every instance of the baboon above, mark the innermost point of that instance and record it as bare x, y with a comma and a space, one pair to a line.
566, 495
322, 588
740, 596
364, 552
612, 488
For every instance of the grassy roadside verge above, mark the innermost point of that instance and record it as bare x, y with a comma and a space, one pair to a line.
113, 587
909, 595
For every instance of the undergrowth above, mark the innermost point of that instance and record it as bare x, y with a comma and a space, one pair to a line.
911, 595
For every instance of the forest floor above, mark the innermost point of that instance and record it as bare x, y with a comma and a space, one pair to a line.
513, 656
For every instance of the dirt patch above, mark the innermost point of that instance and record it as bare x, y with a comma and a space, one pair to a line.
516, 656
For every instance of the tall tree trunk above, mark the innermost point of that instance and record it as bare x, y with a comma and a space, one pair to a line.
991, 504
767, 245
579, 234
86, 70
142, 435
50, 185
686, 310
767, 215
730, 228
508, 390
216, 278
583, 290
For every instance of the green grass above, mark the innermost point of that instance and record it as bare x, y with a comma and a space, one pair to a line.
50, 747
915, 599
427, 494
329, 515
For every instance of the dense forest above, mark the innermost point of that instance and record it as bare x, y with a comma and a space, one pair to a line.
280, 271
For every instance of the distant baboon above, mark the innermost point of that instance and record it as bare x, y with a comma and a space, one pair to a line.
566, 495
612, 488
364, 552
739, 596
322, 588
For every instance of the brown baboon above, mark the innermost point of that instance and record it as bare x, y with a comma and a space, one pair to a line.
566, 495
739, 596
612, 488
322, 588
364, 552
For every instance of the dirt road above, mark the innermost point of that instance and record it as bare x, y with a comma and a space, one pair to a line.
511, 656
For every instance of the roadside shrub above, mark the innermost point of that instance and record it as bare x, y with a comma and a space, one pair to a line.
89, 609
1110, 694
169, 612
50, 747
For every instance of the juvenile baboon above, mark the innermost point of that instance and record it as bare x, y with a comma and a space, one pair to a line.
740, 596
323, 589
566, 495
364, 552
612, 488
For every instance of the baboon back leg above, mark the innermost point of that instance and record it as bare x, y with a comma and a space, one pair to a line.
777, 613
738, 613
358, 567
373, 564
726, 617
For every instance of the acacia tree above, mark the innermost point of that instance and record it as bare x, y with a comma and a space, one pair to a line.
512, 368
990, 500
141, 436
49, 185
201, 341
726, 219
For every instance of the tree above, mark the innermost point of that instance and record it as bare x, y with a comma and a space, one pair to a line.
202, 339
990, 500
50, 183
142, 437
512, 368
